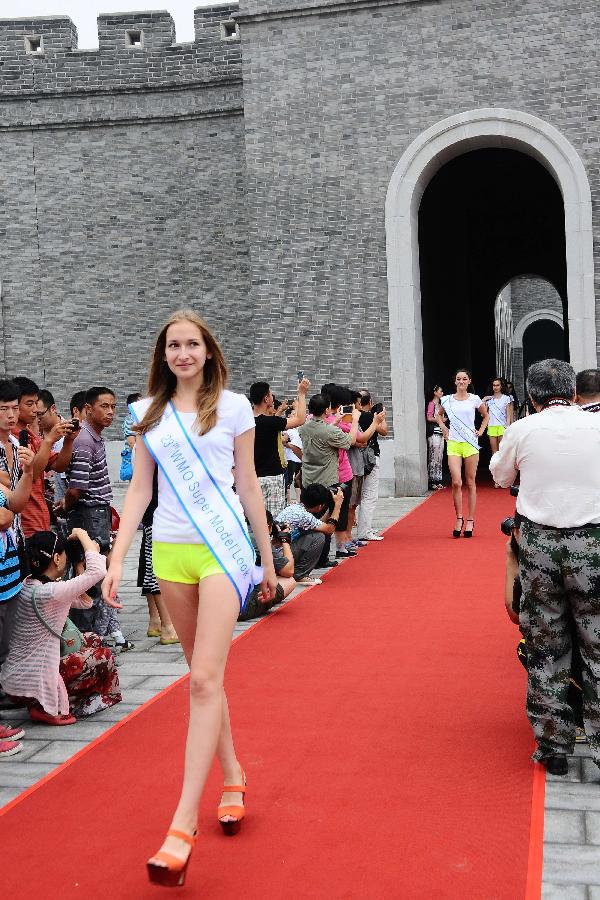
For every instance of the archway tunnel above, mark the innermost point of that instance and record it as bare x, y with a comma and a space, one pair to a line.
485, 217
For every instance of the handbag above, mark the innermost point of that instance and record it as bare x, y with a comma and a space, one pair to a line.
429, 428
71, 638
126, 470
369, 458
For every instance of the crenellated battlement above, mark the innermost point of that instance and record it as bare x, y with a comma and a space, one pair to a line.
41, 55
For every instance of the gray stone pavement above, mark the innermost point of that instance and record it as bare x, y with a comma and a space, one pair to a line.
572, 819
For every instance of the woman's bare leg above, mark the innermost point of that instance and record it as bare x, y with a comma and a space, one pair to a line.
470, 473
203, 617
455, 466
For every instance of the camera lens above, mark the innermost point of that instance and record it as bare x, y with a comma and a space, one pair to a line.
507, 525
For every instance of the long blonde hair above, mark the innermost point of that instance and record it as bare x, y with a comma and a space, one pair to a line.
162, 382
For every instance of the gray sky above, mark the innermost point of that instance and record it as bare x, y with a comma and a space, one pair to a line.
84, 13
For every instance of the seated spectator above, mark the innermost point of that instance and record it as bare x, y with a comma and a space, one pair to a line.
267, 461
310, 522
283, 561
55, 688
36, 515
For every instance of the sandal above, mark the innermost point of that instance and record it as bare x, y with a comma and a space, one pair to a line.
468, 533
172, 874
236, 812
457, 531
153, 632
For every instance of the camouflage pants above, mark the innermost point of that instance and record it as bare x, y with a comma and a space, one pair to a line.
560, 575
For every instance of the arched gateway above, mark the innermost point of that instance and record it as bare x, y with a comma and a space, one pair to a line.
452, 137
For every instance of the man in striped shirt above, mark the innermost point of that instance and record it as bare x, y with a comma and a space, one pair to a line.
88, 502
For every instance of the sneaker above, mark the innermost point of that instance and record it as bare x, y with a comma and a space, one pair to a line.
123, 646
329, 564
9, 748
309, 580
345, 553
355, 544
11, 734
373, 536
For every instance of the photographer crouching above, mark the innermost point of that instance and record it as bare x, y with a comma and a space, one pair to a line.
557, 456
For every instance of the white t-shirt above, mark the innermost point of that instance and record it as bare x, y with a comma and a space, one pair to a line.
461, 414
497, 407
295, 441
234, 417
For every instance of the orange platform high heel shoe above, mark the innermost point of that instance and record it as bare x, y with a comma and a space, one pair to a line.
236, 812
172, 873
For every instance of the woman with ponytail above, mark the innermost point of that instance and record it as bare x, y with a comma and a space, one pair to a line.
196, 433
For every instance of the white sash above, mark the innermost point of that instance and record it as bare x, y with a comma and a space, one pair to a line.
464, 432
218, 525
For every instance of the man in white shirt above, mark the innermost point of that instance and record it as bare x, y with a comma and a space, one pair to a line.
557, 453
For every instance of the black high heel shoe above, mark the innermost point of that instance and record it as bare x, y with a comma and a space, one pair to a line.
469, 533
457, 531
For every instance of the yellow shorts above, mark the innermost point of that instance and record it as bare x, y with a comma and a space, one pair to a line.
184, 563
496, 430
460, 448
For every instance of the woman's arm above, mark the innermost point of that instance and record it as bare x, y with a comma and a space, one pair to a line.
137, 500
249, 492
510, 414
70, 591
439, 418
485, 415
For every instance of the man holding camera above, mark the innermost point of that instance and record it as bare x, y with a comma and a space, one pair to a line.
309, 523
557, 454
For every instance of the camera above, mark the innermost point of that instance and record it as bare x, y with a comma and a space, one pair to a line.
507, 525
75, 424
514, 490
75, 552
280, 532
347, 409
377, 408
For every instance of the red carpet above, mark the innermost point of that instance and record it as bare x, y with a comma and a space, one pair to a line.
380, 720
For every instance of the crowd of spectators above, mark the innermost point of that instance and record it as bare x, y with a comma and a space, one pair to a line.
58, 637
318, 467
332, 466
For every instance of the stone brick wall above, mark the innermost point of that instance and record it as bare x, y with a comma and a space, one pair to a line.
334, 93
122, 197
527, 295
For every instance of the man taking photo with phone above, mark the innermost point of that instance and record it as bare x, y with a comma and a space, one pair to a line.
36, 515
267, 461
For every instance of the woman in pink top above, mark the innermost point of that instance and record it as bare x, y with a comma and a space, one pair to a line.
34, 671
